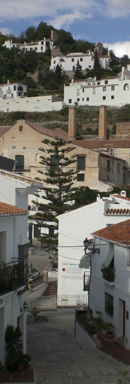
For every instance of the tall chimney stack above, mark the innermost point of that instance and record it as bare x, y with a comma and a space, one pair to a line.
72, 122
102, 134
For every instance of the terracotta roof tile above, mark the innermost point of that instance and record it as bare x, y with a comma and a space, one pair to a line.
122, 197
11, 210
46, 131
117, 211
119, 233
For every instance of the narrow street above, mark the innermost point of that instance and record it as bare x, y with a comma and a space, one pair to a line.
58, 358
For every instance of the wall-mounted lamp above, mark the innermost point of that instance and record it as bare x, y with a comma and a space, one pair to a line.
90, 246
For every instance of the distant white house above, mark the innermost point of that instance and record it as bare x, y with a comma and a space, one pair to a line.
12, 90
70, 61
37, 46
110, 91
74, 227
110, 278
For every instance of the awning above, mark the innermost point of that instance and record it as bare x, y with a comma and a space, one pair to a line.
85, 261
109, 257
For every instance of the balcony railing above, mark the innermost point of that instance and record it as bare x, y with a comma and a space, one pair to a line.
108, 274
11, 276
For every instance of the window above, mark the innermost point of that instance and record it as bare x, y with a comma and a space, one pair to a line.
19, 162
70, 101
118, 168
54, 162
20, 128
126, 87
82, 98
81, 59
36, 231
106, 81
113, 88
83, 90
112, 97
72, 59
104, 89
14, 87
98, 83
109, 304
104, 98
80, 163
87, 98
86, 281
80, 177
78, 99
108, 165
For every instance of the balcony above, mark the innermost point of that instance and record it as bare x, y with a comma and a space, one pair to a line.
108, 274
11, 276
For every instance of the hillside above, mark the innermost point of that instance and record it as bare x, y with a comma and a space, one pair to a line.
32, 68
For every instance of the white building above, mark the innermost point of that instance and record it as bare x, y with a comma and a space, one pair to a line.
17, 102
13, 271
110, 278
111, 91
14, 191
85, 60
74, 227
12, 90
37, 46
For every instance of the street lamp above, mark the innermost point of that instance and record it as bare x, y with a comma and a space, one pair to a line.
90, 246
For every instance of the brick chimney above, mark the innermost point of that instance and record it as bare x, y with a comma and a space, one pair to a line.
72, 122
102, 133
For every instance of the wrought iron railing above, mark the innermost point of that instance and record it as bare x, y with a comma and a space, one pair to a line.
11, 276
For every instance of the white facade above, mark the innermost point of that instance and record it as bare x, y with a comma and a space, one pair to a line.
85, 60
111, 91
13, 234
39, 46
74, 227
15, 189
112, 298
15, 90
31, 104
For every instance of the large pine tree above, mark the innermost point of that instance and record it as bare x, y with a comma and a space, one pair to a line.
58, 193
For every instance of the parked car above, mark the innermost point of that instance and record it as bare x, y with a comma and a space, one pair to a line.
34, 274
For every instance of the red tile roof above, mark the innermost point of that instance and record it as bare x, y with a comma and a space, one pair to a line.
11, 210
119, 233
117, 211
122, 197
46, 131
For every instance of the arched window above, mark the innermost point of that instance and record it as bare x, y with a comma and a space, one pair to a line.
126, 87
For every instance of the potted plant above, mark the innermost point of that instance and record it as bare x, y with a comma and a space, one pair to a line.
15, 358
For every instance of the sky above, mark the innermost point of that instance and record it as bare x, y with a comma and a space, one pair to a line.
105, 21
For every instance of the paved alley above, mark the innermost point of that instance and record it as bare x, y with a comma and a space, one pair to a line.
58, 358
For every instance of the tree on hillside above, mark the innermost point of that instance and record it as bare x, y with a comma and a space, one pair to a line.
58, 188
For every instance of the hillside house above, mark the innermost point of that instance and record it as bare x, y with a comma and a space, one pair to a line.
110, 91
110, 278
12, 90
74, 227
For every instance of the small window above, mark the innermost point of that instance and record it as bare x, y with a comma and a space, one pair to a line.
83, 90
106, 81
20, 128
14, 88
109, 304
87, 98
19, 162
81, 59
104, 89
108, 165
81, 163
113, 88
72, 59
104, 98
86, 281
98, 83
82, 98
78, 99
80, 177
112, 97
70, 101
54, 163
